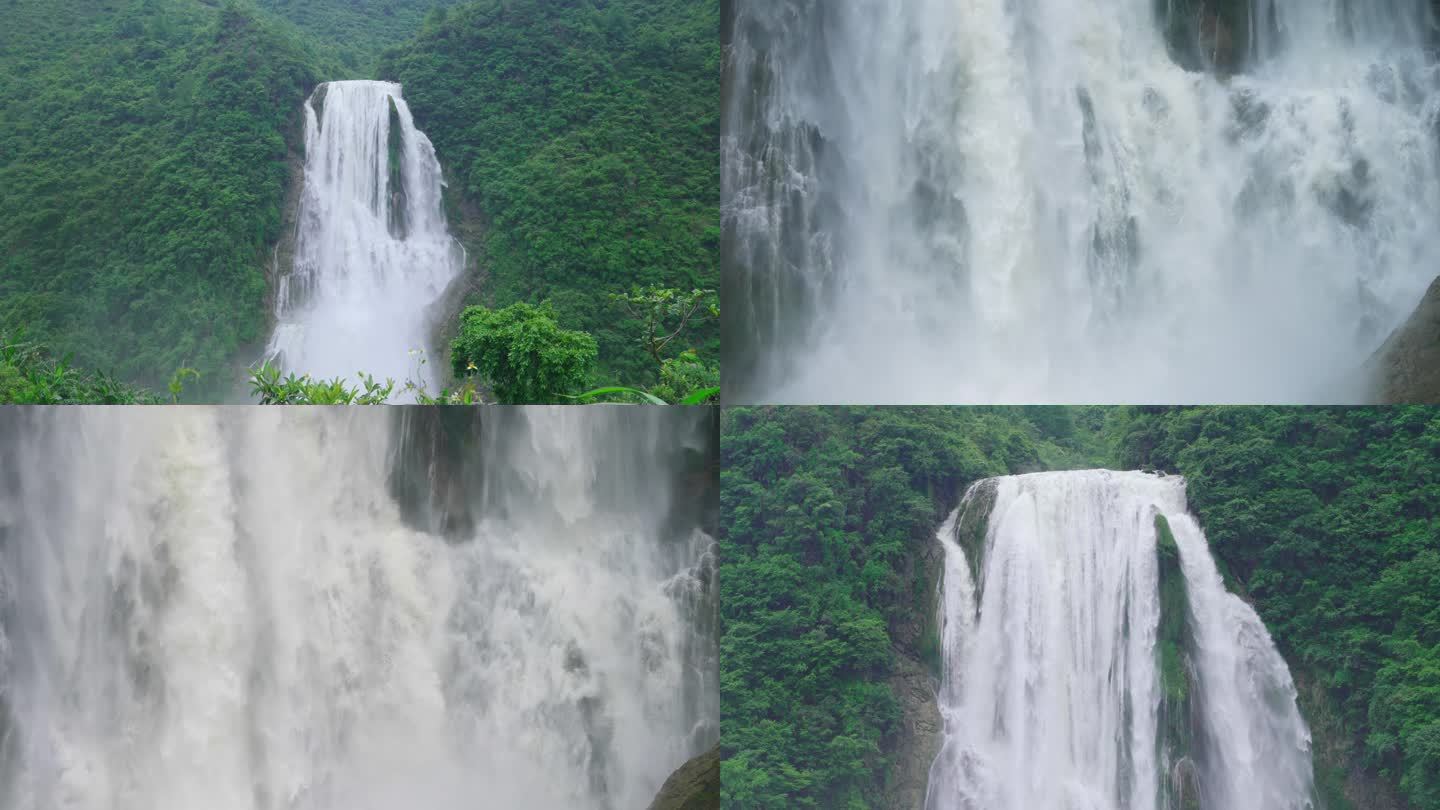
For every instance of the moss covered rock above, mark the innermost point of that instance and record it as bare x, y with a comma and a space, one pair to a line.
1176, 740
695, 786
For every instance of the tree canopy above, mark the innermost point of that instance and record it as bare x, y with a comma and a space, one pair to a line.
143, 168
522, 353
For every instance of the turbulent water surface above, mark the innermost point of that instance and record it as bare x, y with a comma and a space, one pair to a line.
373, 256
247, 609
1051, 201
1052, 692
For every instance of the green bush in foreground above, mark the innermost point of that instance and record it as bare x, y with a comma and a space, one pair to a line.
29, 376
522, 353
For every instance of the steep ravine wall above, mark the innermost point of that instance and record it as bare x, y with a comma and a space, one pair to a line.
916, 638
282, 255
470, 225
1341, 781
913, 680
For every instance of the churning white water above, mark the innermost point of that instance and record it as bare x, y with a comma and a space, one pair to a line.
1052, 691
985, 200
247, 609
373, 256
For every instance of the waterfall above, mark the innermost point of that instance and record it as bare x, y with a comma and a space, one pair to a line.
1074, 200
254, 609
1058, 690
372, 257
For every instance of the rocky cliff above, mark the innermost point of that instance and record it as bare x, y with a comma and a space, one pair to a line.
1406, 369
916, 670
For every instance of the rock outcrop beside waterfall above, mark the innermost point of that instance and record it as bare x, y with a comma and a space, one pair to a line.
694, 786
1407, 367
915, 675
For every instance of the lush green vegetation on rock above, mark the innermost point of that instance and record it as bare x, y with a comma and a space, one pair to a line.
142, 176
586, 133
825, 513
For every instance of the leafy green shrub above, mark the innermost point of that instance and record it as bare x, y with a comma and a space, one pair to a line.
29, 376
685, 376
522, 353
269, 388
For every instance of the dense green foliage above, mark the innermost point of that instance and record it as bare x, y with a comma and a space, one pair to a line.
686, 376
356, 30
586, 132
1329, 520
30, 376
823, 512
142, 175
522, 353
664, 315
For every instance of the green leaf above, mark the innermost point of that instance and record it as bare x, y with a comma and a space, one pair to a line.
619, 389
702, 396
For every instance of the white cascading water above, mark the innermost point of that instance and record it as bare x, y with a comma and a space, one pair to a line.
227, 609
373, 256
999, 201
1051, 692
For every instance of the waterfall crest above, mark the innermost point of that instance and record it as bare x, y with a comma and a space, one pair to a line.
1056, 675
373, 256
241, 609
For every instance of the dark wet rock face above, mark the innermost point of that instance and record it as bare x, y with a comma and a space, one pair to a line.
1207, 35
920, 735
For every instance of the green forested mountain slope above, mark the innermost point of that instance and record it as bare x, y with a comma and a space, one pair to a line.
142, 175
356, 30
586, 131
143, 161
1326, 519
